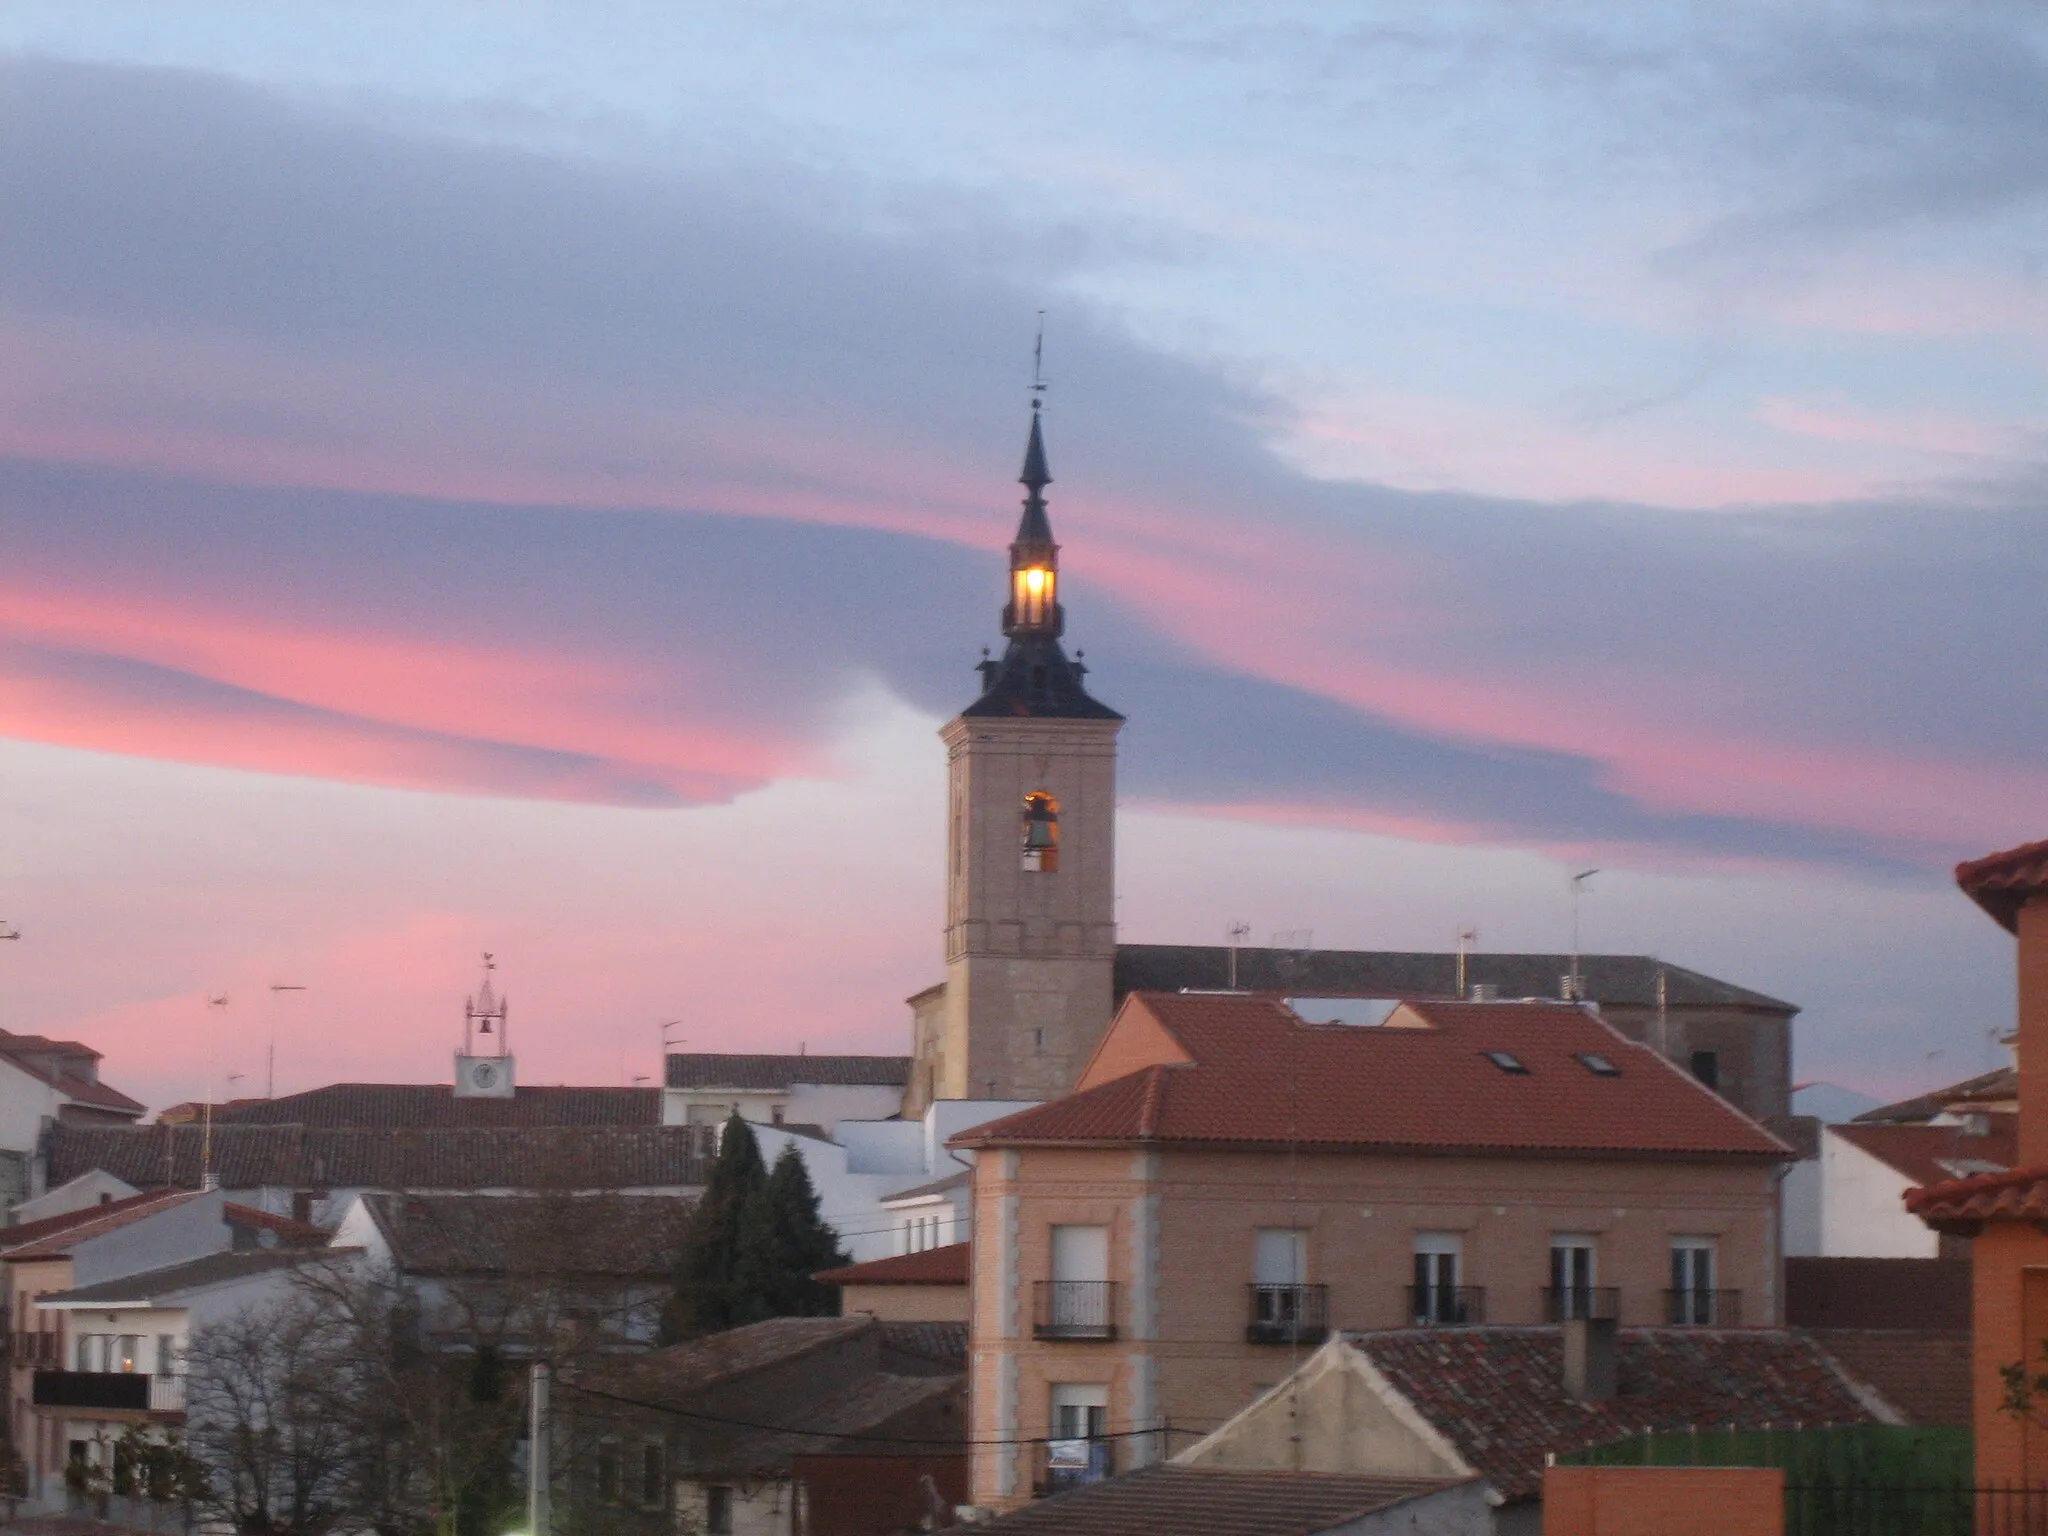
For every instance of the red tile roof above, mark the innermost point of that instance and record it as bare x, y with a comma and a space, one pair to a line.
434, 1105
1924, 1374
1497, 1394
2019, 1194
2001, 1086
1931, 1154
1259, 1076
1216, 1501
934, 1266
2001, 883
55, 1236
293, 1233
23, 1051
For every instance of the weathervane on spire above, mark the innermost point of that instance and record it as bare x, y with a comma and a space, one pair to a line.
1038, 362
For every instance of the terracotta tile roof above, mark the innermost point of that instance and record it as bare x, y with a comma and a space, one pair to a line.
2019, 1194
1258, 1076
2001, 883
1929, 1154
1172, 1500
945, 1343
1611, 980
55, 1236
700, 1069
934, 1266
293, 1233
1924, 1374
673, 1374
434, 1105
612, 1236
316, 1157
1997, 1087
45, 1060
1497, 1394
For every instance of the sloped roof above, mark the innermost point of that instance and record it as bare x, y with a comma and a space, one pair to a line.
2002, 883
435, 1105
291, 1232
675, 1373
316, 1157
1962, 1205
1923, 1374
55, 1236
157, 1286
613, 1236
22, 1051
1999, 1086
933, 1266
1928, 1154
703, 1069
1497, 1394
1617, 980
1215, 1501
1259, 1076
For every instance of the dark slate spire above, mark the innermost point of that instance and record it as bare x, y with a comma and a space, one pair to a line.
1035, 528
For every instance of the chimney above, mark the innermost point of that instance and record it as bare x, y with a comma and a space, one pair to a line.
1589, 1374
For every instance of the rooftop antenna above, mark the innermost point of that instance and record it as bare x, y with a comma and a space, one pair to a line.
270, 1057
1466, 938
1037, 364
7, 931
1574, 984
218, 1002
1238, 931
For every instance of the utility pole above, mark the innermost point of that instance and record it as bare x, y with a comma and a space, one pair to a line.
270, 1060
538, 1428
1578, 987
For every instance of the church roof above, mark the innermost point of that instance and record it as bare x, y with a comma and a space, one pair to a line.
1035, 679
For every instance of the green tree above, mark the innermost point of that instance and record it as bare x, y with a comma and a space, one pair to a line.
707, 1298
783, 1241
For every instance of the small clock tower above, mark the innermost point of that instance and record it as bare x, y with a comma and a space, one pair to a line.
1031, 833
483, 1067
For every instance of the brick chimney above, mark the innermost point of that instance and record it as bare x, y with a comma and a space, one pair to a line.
2013, 887
1589, 1370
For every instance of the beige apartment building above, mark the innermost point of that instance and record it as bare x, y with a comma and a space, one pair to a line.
1228, 1184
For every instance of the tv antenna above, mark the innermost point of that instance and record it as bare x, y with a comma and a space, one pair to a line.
270, 1056
1577, 986
1238, 931
216, 1002
7, 931
1467, 937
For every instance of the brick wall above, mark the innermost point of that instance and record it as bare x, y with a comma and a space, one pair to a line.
1663, 1501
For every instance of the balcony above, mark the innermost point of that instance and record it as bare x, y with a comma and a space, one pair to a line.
1289, 1314
1703, 1309
1073, 1309
1064, 1464
124, 1391
1571, 1303
1446, 1306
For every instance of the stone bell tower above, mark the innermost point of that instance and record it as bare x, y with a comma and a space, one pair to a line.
1030, 848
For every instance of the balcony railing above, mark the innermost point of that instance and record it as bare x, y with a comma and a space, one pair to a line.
1289, 1314
1064, 1464
1074, 1309
1703, 1309
1563, 1304
1446, 1306
32, 1348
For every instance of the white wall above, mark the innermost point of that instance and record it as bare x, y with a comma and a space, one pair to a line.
1800, 1196
189, 1230
824, 1105
83, 1191
1863, 1212
26, 1102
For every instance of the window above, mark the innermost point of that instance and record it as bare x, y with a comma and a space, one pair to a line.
1031, 592
653, 1485
127, 1354
718, 1511
1706, 1066
1598, 1065
608, 1473
775, 1114
1080, 1451
1508, 1062
1041, 833
1280, 1256
92, 1351
167, 1354
1693, 1297
1437, 1296
1573, 1271
1080, 1253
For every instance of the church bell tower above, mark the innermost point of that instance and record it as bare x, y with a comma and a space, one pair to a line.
1030, 848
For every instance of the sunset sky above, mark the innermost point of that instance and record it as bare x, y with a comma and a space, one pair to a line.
533, 477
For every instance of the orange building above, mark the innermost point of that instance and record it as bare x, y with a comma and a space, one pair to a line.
2006, 1214
1228, 1183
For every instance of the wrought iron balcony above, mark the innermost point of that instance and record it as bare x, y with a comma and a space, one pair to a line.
1289, 1314
1562, 1304
1703, 1309
1073, 1309
1446, 1306
126, 1391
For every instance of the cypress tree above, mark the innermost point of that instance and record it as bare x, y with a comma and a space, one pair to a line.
783, 1241
706, 1299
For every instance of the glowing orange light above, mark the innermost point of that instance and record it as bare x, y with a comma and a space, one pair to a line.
1034, 581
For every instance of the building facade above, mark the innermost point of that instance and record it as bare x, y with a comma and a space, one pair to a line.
1228, 1185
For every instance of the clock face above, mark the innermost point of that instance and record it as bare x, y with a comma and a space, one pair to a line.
483, 1074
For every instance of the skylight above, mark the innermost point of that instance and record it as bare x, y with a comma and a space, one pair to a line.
1599, 1065
1507, 1061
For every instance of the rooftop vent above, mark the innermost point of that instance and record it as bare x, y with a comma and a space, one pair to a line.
1483, 992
